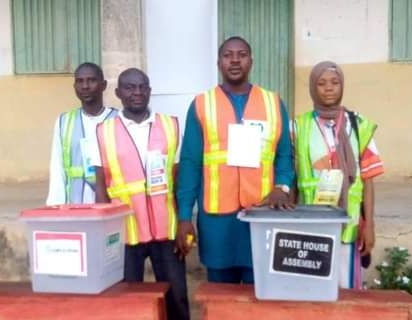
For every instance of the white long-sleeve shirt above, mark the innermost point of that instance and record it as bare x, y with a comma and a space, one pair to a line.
57, 175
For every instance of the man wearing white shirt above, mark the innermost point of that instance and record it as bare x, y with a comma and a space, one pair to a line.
72, 177
135, 165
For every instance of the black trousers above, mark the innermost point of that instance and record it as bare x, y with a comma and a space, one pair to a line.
167, 267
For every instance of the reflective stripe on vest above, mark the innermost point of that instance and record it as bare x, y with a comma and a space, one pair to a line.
171, 127
307, 182
71, 131
154, 216
228, 188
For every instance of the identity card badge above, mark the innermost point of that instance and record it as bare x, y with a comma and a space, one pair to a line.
329, 187
156, 173
86, 150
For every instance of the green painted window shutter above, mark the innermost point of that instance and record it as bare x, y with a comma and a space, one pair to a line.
401, 30
268, 26
55, 36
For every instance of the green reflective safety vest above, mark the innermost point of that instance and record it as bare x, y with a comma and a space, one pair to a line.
71, 131
306, 130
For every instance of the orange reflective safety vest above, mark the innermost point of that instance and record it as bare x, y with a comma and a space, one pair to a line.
228, 188
127, 178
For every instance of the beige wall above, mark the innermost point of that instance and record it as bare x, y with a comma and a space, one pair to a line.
383, 93
29, 107
31, 104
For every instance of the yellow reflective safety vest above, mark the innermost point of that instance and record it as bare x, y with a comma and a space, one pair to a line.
71, 132
228, 188
309, 140
126, 177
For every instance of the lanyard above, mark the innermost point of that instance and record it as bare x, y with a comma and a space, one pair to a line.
322, 123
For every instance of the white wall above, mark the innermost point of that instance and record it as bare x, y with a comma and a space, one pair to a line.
181, 48
6, 52
345, 31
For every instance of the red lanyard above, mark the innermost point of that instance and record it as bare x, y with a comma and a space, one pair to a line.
335, 130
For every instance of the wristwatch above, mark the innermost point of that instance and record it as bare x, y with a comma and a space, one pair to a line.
284, 187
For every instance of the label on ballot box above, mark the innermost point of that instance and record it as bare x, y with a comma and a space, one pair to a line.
60, 253
113, 246
302, 254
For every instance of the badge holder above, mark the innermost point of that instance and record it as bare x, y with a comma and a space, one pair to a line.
329, 187
156, 173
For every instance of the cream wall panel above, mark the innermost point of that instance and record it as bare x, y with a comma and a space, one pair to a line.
345, 31
6, 53
181, 52
181, 45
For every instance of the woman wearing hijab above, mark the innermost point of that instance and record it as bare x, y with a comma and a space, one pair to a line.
333, 139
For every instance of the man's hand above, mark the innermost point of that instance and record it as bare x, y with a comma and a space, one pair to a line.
366, 238
277, 199
186, 237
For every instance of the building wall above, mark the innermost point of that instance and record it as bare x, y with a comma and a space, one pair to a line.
122, 41
181, 48
181, 61
30, 104
355, 35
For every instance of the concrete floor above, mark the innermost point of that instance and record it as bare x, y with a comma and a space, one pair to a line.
393, 209
393, 227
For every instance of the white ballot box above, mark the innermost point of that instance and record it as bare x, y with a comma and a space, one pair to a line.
76, 248
296, 252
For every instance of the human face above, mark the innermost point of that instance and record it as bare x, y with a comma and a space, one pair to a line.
329, 88
235, 62
134, 92
89, 86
